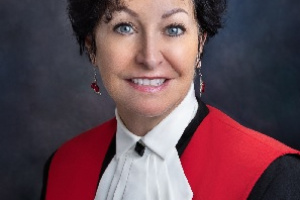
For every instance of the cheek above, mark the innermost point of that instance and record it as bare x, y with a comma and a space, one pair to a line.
111, 53
105, 63
112, 61
184, 58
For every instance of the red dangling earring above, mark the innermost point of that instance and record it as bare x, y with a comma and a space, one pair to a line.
94, 84
202, 84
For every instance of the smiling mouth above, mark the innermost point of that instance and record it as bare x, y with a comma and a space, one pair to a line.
148, 82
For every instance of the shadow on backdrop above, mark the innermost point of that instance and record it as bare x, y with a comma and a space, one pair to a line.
251, 69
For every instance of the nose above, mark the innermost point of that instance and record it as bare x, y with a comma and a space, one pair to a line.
150, 53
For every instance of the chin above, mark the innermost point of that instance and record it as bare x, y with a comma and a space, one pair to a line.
153, 110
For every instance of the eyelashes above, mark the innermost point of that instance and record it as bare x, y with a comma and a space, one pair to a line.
124, 28
175, 30
171, 30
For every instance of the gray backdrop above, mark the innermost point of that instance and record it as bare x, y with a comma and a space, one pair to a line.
251, 70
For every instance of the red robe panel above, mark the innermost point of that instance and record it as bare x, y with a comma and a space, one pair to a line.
223, 160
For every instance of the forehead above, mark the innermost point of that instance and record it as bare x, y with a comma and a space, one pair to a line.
159, 5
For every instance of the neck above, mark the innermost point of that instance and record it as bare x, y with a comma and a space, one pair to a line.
138, 124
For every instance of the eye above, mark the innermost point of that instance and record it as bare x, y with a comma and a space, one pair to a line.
175, 30
124, 28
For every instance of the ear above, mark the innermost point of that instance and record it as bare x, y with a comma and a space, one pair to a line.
88, 43
89, 47
202, 39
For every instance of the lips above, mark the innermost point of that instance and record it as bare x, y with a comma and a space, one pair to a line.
148, 82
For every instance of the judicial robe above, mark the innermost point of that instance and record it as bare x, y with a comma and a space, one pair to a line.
222, 160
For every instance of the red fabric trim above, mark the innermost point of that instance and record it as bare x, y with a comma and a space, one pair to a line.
222, 161
75, 168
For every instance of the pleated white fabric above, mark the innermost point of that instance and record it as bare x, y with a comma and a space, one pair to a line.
158, 173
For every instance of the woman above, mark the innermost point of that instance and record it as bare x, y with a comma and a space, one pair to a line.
164, 143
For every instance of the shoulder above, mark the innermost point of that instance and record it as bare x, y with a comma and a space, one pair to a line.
75, 167
86, 145
95, 136
249, 139
242, 144
238, 155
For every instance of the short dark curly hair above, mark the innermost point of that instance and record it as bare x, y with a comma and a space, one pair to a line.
85, 14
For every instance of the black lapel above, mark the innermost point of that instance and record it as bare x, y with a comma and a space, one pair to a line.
191, 128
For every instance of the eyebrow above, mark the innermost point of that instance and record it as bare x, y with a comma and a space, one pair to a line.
172, 12
166, 15
127, 10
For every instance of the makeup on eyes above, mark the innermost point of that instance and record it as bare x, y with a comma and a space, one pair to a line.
118, 28
176, 26
127, 28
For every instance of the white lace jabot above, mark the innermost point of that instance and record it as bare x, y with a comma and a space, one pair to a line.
155, 173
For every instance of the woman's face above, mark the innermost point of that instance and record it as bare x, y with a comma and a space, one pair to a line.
146, 55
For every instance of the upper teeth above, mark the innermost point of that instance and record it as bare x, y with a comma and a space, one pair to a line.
149, 82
